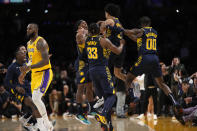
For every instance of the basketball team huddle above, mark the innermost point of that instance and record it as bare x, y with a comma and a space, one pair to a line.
101, 51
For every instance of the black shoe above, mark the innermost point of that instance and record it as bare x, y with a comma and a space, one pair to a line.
178, 113
104, 127
121, 116
111, 128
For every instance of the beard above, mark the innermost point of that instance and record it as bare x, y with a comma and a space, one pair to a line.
30, 35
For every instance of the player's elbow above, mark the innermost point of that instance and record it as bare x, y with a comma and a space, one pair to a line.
46, 62
117, 52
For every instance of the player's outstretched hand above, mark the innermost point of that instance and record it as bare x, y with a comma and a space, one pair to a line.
25, 68
20, 90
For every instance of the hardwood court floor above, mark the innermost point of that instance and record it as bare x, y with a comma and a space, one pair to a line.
128, 124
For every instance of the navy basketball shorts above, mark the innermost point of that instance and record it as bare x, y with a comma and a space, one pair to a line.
102, 80
148, 64
82, 75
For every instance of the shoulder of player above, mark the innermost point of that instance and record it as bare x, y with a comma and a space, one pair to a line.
41, 43
12, 66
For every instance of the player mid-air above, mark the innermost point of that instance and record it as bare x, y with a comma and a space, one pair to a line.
148, 61
40, 67
97, 53
82, 76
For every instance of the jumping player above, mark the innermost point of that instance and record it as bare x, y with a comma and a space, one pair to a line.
40, 67
97, 49
81, 66
148, 61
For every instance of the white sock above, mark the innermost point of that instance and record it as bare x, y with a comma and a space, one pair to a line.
39, 120
47, 123
36, 96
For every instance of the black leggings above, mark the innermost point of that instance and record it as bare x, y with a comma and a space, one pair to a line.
150, 92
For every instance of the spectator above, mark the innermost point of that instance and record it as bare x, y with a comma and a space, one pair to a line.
133, 97
69, 105
54, 101
121, 96
174, 70
8, 107
140, 81
150, 90
186, 93
190, 114
165, 105
64, 80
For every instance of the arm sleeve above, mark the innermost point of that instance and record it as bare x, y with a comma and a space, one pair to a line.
9, 78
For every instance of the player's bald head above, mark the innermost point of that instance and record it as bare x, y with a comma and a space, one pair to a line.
33, 25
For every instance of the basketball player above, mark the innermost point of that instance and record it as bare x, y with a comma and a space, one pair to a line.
22, 92
81, 67
148, 61
40, 67
97, 49
114, 34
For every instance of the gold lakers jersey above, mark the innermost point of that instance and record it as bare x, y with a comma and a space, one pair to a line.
35, 55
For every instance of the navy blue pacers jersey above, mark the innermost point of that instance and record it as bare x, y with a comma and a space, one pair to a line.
147, 44
98, 66
80, 61
114, 34
148, 61
97, 56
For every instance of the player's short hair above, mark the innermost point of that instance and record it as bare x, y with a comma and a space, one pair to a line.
94, 29
17, 50
112, 9
145, 20
77, 24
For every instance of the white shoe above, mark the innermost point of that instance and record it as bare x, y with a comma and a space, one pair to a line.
30, 127
99, 103
49, 126
141, 117
23, 120
14, 116
41, 127
155, 117
67, 114
149, 114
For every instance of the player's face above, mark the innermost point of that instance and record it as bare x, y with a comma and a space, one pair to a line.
30, 31
83, 25
22, 54
102, 28
1, 88
185, 87
176, 61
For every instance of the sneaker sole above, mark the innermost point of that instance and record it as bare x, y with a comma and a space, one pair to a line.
81, 121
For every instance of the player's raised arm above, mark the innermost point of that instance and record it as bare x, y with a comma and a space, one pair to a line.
133, 34
81, 36
106, 43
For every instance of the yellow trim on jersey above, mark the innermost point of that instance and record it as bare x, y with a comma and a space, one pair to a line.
147, 27
35, 55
